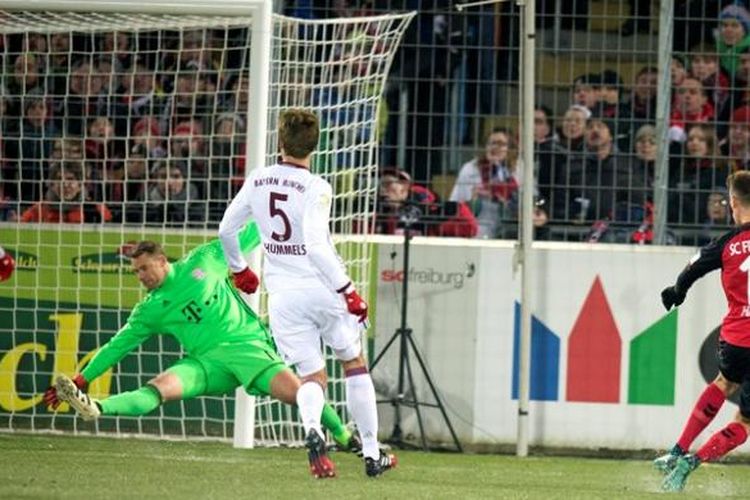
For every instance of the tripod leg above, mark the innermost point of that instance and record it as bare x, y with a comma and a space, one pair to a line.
434, 394
385, 348
405, 358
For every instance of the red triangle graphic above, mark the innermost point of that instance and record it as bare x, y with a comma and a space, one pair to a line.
594, 351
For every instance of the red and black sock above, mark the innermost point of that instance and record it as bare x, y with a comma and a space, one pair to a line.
705, 409
724, 441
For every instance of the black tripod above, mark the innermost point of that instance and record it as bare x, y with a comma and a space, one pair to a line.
408, 217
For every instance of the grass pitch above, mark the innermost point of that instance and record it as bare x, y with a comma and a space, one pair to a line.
34, 466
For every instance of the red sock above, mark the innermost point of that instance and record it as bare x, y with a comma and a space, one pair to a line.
708, 405
724, 441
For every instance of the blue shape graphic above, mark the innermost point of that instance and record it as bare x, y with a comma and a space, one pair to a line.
545, 359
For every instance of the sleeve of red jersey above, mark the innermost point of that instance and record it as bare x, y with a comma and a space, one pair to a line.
318, 241
236, 216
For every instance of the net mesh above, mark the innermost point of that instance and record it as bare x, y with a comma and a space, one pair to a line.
117, 128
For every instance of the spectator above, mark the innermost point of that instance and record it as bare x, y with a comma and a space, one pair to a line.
105, 69
188, 151
610, 104
742, 75
104, 157
140, 95
693, 174
737, 147
544, 130
645, 153
187, 101
225, 175
86, 99
66, 199
568, 157
717, 218
573, 129
695, 108
8, 205
678, 69
601, 185
734, 36
545, 144
25, 78
147, 132
399, 198
131, 190
612, 107
585, 91
679, 72
643, 98
488, 183
704, 65
34, 146
170, 200
66, 148
116, 48
59, 65
609, 187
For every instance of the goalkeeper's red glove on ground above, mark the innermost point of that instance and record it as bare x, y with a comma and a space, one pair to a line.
246, 280
354, 303
7, 264
50, 395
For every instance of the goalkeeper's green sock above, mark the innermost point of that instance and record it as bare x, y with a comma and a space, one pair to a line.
133, 403
330, 420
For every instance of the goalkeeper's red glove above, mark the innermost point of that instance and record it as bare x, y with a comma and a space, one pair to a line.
7, 264
50, 395
354, 303
246, 280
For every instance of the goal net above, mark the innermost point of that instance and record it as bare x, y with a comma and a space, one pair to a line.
118, 127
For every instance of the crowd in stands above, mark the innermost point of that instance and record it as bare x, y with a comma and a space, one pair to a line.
149, 128
595, 170
119, 127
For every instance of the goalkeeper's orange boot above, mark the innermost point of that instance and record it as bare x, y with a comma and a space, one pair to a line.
321, 465
376, 467
69, 392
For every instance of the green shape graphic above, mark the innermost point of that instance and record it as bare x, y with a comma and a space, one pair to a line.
653, 355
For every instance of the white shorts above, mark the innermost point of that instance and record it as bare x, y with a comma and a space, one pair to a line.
300, 319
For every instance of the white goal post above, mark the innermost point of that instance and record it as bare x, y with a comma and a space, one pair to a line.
54, 312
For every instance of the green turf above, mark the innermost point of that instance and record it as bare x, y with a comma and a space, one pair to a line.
33, 466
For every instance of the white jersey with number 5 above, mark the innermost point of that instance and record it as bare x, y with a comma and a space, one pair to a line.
292, 208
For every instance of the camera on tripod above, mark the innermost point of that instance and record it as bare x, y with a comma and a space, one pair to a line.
421, 217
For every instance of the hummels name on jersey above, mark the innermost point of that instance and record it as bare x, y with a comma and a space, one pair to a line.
280, 249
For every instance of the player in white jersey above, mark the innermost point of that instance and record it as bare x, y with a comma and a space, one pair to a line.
310, 295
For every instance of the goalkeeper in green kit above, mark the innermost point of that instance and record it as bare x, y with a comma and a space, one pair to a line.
226, 346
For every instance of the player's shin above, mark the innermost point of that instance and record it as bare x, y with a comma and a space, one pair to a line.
724, 441
133, 403
310, 401
708, 405
331, 421
360, 399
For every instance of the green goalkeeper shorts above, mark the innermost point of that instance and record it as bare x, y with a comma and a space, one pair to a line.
251, 364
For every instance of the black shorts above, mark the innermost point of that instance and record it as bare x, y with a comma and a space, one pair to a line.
734, 364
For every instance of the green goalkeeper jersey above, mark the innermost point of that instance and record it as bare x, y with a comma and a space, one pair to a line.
196, 303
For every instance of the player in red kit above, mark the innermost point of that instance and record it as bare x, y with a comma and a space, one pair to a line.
731, 254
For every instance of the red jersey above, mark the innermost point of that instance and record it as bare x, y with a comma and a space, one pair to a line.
75, 214
731, 253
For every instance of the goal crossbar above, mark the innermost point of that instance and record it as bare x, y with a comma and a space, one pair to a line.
183, 7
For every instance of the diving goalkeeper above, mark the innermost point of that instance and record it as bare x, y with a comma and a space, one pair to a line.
226, 346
